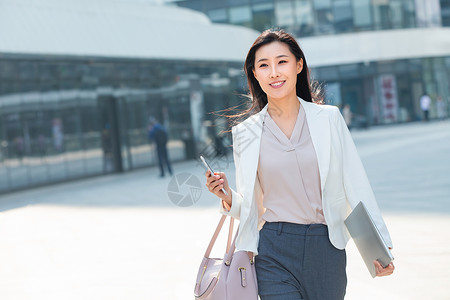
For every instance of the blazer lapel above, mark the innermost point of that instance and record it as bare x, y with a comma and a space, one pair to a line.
319, 129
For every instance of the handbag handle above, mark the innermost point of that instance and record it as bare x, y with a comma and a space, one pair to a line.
216, 234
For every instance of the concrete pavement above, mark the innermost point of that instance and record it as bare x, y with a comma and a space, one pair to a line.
121, 237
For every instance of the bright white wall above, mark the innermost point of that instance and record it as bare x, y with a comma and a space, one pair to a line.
118, 28
376, 46
137, 28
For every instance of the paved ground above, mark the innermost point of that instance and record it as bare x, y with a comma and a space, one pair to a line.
120, 236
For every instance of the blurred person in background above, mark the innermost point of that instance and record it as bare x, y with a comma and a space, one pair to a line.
107, 149
297, 170
19, 146
158, 134
58, 134
425, 102
441, 108
347, 114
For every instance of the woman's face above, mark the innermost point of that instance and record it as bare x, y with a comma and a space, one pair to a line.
276, 70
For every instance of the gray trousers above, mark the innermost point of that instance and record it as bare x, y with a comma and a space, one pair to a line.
297, 262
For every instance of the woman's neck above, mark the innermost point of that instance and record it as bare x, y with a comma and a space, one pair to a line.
285, 108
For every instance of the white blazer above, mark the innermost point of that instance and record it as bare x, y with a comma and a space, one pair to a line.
343, 180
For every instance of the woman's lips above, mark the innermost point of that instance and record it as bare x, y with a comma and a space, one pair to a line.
278, 84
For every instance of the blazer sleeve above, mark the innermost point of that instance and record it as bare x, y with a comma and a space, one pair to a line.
356, 183
236, 196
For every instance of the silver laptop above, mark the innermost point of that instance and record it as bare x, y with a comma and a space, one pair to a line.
367, 238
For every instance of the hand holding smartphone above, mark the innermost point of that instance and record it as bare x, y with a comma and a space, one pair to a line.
207, 166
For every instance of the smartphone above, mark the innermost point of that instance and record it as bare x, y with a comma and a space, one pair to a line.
211, 170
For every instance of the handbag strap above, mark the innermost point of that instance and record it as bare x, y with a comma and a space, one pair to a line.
216, 234
230, 252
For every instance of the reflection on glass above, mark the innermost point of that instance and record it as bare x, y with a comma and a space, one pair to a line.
90, 131
236, 2
381, 14
240, 14
3, 150
284, 13
342, 13
324, 16
396, 13
409, 13
62, 120
263, 16
57, 157
304, 17
362, 14
322, 4
218, 15
445, 12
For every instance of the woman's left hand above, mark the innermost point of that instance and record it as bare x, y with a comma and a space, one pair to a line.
383, 271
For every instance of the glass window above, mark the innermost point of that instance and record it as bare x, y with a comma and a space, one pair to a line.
70, 114
324, 16
3, 150
342, 13
327, 73
421, 14
401, 66
56, 123
386, 66
263, 16
17, 137
262, 7
304, 17
396, 12
333, 94
284, 13
447, 62
37, 141
322, 4
91, 132
368, 68
240, 14
445, 12
349, 71
218, 15
236, 2
428, 13
381, 14
214, 4
192, 4
434, 12
415, 65
409, 14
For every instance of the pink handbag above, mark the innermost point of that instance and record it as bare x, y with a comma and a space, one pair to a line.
231, 278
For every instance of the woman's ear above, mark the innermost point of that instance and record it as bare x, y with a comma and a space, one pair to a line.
254, 73
300, 65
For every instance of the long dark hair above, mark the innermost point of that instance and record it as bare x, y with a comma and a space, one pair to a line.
306, 89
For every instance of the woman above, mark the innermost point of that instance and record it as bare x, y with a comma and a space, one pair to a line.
297, 173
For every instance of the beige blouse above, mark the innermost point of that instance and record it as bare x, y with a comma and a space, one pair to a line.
288, 173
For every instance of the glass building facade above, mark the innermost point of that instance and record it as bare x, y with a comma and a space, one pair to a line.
306, 18
445, 12
378, 90
386, 91
69, 117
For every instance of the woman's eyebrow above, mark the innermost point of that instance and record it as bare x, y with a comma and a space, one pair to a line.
263, 59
